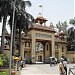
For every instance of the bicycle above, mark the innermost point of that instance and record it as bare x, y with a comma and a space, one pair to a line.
70, 71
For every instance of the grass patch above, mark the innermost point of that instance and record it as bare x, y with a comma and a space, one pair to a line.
3, 73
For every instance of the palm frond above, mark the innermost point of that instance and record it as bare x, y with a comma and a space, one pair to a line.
28, 3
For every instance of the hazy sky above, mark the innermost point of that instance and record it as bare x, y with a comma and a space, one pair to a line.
53, 10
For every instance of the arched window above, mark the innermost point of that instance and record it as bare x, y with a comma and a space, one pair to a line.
62, 49
47, 47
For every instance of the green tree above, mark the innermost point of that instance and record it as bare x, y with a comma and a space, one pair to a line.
62, 26
72, 21
58, 26
71, 39
71, 36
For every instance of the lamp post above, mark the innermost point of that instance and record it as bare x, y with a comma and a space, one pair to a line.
12, 37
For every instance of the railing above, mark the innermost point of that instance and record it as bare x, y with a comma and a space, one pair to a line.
70, 71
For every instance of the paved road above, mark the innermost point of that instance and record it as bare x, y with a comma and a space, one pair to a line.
42, 69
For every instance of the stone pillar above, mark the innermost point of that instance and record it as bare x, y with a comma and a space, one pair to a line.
53, 49
44, 23
38, 22
22, 50
60, 51
33, 50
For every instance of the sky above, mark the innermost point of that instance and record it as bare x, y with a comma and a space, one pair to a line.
74, 8
52, 10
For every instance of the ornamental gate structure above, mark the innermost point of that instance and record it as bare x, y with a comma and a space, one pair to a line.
42, 40
42, 46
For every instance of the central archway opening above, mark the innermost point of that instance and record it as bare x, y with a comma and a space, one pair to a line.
43, 51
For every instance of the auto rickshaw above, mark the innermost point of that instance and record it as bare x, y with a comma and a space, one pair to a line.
52, 61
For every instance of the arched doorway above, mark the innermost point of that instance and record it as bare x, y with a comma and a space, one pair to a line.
43, 51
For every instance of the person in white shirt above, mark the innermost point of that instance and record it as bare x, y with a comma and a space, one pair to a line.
56, 60
65, 66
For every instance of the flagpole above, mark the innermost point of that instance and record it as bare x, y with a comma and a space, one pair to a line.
42, 10
41, 6
10, 60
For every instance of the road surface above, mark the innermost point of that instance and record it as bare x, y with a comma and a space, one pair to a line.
42, 69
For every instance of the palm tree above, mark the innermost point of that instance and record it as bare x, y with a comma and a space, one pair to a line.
5, 8
23, 21
22, 18
23, 24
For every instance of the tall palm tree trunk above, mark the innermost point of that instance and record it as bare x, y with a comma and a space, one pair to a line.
19, 42
14, 32
3, 33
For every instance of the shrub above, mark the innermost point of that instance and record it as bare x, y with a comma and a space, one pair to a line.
3, 59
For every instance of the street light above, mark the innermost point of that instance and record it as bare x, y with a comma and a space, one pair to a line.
12, 37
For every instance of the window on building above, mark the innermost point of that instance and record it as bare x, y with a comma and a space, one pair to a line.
29, 44
47, 47
5, 46
17, 46
56, 46
25, 44
62, 49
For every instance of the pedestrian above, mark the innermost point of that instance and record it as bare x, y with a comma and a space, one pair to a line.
61, 68
56, 60
65, 66
24, 62
21, 63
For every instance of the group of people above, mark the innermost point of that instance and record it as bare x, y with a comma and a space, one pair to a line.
63, 66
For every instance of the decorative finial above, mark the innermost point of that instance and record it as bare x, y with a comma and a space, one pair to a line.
51, 26
41, 6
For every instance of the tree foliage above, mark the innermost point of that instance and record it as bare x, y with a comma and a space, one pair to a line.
71, 39
71, 36
3, 59
62, 26
72, 21
70, 33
